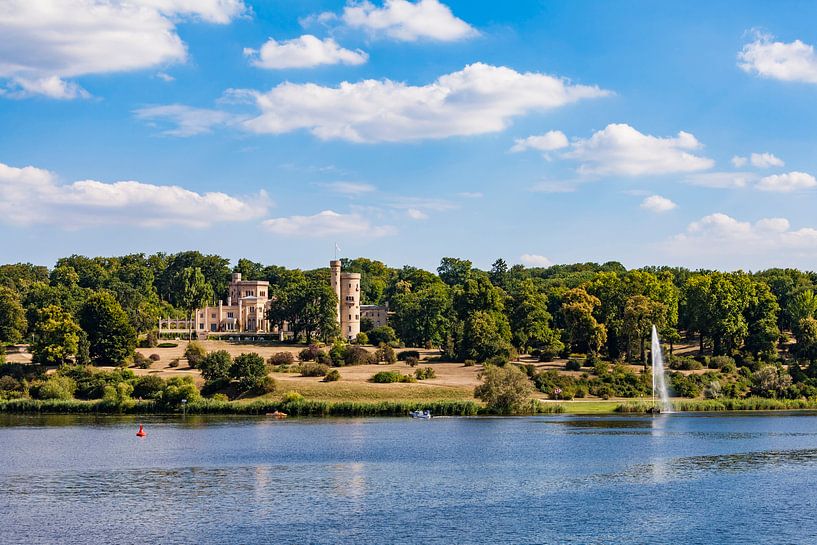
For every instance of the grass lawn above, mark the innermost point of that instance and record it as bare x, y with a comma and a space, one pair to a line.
590, 407
362, 391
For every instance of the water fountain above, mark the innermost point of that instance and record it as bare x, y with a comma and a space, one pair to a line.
659, 379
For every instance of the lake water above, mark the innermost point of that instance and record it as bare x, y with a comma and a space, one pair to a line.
678, 479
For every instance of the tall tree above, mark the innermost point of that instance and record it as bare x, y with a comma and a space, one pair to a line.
13, 322
196, 293
529, 318
585, 333
55, 337
454, 271
111, 337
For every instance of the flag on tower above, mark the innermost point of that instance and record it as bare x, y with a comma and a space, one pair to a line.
337, 250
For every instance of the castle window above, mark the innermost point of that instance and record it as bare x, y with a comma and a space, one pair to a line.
357, 317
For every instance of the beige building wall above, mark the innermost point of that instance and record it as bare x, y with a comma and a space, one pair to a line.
347, 290
378, 314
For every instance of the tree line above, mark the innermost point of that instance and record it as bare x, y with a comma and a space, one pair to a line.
94, 309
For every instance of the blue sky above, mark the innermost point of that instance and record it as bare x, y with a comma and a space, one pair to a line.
405, 131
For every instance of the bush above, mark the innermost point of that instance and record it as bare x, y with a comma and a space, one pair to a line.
148, 387
141, 361
194, 354
220, 397
56, 387
504, 389
268, 385
310, 353
384, 377
216, 365
179, 388
362, 338
151, 339
155, 357
281, 358
356, 355
406, 354
332, 376
683, 363
167, 345
174, 362
424, 373
313, 369
292, 397
249, 370
412, 361
498, 360
385, 353
601, 368
469, 363
382, 335
573, 365
10, 387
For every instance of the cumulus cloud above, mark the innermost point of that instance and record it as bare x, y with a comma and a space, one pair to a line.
793, 61
534, 260
416, 214
786, 183
723, 240
475, 100
349, 188
658, 204
32, 195
186, 120
550, 141
619, 149
759, 160
304, 52
404, 20
42, 43
326, 223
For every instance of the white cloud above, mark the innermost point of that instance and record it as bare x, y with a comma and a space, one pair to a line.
471, 194
534, 260
619, 149
475, 100
326, 223
405, 21
739, 161
32, 195
721, 240
658, 204
186, 120
416, 214
550, 141
304, 52
164, 76
547, 186
44, 42
349, 188
788, 182
722, 180
420, 203
765, 160
795, 61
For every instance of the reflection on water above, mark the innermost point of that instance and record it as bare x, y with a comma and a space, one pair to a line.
523, 480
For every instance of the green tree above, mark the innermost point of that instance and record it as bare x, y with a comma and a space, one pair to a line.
308, 305
13, 323
505, 390
585, 334
196, 293
111, 337
216, 366
422, 315
640, 314
454, 271
806, 347
529, 318
55, 337
382, 335
249, 370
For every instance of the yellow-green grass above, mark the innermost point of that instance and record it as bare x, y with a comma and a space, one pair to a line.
362, 391
590, 407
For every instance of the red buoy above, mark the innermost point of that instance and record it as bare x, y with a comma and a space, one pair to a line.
141, 432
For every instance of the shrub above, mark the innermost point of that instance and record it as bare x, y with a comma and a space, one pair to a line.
220, 397
151, 339
332, 376
10, 387
179, 388
382, 335
155, 357
385, 353
469, 363
713, 390
216, 365
167, 345
601, 368
573, 365
498, 360
424, 373
309, 353
249, 370
281, 358
362, 338
504, 389
174, 362
56, 387
148, 387
194, 354
313, 369
411, 361
141, 361
268, 385
684, 363
384, 377
406, 354
356, 355
292, 397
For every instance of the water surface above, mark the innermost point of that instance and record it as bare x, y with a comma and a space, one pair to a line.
683, 479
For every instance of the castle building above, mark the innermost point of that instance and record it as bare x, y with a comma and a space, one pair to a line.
377, 314
347, 289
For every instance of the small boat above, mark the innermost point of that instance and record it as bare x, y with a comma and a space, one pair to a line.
141, 432
420, 414
278, 414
